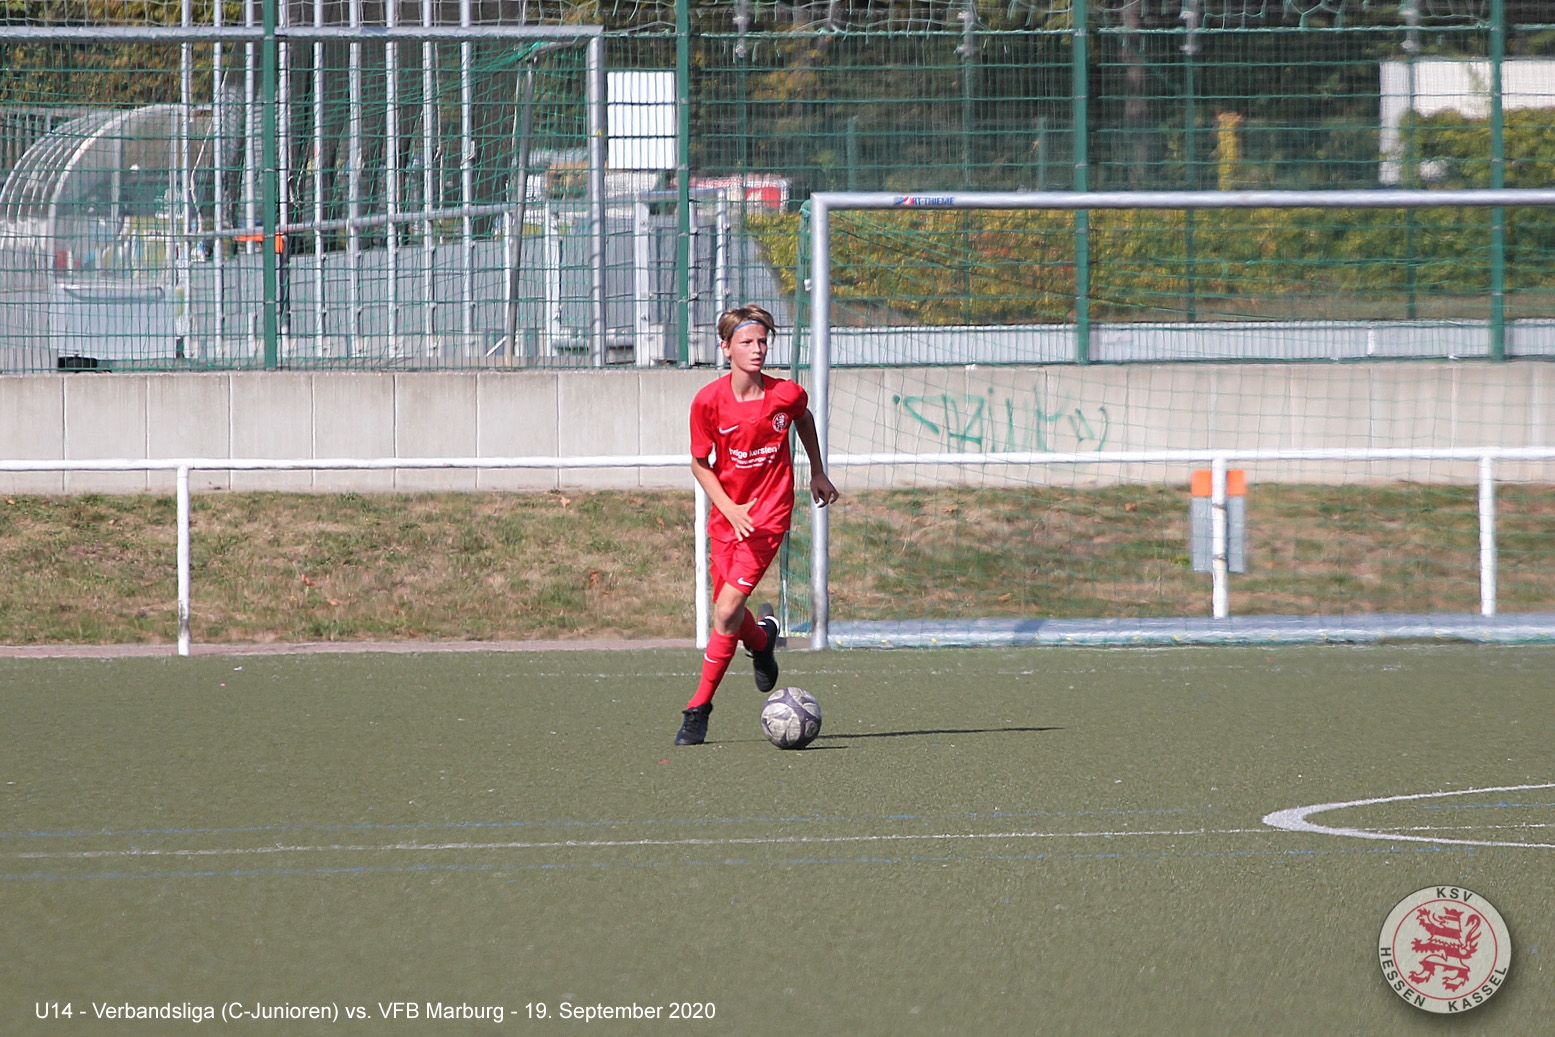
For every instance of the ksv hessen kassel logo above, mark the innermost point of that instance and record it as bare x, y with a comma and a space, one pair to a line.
1445, 949
780, 422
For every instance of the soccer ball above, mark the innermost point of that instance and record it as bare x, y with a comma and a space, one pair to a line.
791, 718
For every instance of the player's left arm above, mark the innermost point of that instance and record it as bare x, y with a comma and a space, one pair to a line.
821, 488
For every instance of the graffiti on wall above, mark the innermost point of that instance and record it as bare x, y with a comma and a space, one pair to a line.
1003, 422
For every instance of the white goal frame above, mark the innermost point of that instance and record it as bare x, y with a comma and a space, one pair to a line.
823, 204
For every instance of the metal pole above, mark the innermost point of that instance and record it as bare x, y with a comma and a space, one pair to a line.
968, 53
250, 136
466, 180
429, 201
703, 594
184, 210
721, 255
1080, 85
514, 252
283, 181
1219, 563
219, 189
1191, 16
391, 161
248, 186
820, 407
1487, 536
597, 228
643, 286
1411, 177
683, 182
183, 560
354, 185
320, 305
271, 194
1497, 181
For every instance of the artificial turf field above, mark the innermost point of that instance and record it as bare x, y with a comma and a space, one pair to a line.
981, 842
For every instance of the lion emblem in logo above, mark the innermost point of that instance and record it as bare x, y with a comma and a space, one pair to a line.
1452, 940
780, 422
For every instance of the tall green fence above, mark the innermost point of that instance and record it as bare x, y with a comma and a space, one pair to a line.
271, 199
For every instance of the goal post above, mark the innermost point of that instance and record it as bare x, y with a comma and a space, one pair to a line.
926, 341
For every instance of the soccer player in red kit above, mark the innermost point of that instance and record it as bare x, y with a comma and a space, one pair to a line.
740, 456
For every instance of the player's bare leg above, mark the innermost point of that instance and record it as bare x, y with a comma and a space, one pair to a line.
732, 618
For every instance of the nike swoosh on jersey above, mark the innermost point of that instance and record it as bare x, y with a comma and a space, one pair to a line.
731, 428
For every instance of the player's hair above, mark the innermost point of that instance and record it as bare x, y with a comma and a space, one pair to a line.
732, 319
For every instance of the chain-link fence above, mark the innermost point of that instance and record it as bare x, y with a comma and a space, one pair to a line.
567, 184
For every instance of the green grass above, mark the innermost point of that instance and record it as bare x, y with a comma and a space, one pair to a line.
289, 567
1054, 841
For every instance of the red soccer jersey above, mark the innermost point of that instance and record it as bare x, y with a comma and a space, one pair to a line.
749, 444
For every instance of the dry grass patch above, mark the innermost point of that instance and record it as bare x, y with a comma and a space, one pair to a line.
465, 566
292, 567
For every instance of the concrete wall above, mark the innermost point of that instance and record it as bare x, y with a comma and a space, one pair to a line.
1197, 406
629, 411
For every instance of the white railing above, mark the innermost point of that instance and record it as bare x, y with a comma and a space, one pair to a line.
1217, 461
183, 466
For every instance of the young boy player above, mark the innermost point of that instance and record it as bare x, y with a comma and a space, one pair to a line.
740, 456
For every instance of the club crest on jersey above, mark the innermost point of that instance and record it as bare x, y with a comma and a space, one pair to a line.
1445, 949
780, 422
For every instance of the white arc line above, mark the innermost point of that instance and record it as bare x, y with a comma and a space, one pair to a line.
605, 843
1294, 819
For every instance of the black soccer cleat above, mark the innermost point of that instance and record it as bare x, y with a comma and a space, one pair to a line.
765, 661
693, 729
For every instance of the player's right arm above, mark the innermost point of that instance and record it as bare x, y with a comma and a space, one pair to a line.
739, 515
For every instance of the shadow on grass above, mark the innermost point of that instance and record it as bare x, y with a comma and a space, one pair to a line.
937, 731
813, 746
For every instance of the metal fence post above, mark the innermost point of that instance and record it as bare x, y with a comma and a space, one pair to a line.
1497, 181
1082, 219
269, 244
683, 181
598, 318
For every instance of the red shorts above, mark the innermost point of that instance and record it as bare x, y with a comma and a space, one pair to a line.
742, 563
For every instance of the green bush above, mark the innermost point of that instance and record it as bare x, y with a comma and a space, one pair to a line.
1016, 267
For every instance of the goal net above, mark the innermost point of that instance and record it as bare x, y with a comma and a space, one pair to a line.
1016, 391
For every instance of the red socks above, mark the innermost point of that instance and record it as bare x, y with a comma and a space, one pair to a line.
720, 652
752, 633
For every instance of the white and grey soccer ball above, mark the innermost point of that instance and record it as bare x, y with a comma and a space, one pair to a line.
791, 718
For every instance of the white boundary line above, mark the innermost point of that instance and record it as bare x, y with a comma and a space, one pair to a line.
1294, 819
615, 843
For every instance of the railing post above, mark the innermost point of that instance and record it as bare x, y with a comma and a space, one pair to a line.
1487, 535
1220, 593
704, 595
183, 559
1080, 87
1497, 181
